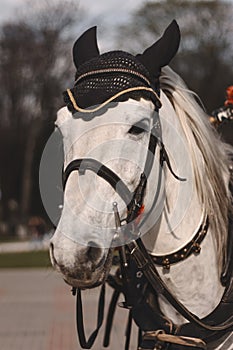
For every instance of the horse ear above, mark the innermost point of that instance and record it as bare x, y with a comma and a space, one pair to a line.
162, 51
85, 47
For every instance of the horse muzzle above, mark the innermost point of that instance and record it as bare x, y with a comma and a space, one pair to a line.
81, 266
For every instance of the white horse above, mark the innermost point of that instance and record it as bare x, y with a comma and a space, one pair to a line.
117, 135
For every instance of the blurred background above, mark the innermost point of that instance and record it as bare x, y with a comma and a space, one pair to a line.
36, 40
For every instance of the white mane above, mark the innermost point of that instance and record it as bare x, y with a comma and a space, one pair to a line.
208, 155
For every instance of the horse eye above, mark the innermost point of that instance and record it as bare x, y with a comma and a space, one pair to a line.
137, 129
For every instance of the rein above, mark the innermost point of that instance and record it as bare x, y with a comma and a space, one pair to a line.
87, 344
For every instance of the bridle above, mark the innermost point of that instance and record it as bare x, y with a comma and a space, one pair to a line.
135, 250
133, 200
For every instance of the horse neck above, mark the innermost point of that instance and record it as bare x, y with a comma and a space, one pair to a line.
181, 218
182, 213
208, 154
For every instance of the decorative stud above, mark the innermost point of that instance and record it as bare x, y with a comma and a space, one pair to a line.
196, 248
139, 274
166, 264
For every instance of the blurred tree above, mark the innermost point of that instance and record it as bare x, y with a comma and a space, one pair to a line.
205, 57
35, 68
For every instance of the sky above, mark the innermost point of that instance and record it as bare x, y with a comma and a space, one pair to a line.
103, 13
117, 9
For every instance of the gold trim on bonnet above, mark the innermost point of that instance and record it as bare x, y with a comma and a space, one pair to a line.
137, 88
112, 70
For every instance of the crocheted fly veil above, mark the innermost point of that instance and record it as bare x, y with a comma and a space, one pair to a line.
110, 76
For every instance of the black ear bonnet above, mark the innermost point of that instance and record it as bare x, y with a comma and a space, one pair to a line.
100, 77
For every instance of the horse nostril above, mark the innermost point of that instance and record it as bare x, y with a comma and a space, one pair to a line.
93, 251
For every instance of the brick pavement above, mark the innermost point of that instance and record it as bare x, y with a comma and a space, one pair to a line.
38, 313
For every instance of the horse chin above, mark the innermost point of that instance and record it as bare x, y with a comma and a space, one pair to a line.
96, 281
86, 279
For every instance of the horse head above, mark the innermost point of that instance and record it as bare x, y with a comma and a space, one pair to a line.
110, 130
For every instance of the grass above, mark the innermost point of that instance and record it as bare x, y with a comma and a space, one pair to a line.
9, 239
38, 258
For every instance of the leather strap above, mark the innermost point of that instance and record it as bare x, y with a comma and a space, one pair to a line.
192, 247
83, 164
110, 317
162, 338
145, 263
87, 344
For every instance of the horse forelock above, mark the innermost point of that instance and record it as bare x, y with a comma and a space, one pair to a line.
209, 157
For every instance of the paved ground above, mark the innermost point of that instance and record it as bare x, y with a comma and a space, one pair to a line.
38, 313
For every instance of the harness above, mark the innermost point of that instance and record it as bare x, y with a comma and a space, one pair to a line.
138, 278
139, 282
